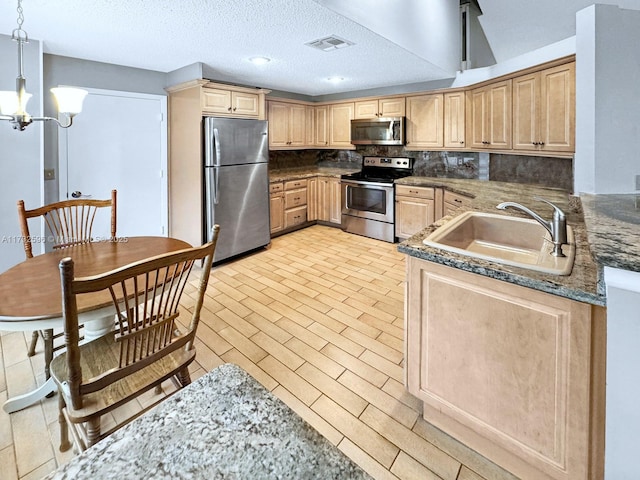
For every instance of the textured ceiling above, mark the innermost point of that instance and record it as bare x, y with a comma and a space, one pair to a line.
165, 35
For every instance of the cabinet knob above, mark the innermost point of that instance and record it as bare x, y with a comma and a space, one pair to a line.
229, 109
461, 142
234, 109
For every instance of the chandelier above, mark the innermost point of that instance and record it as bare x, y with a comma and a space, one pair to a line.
13, 104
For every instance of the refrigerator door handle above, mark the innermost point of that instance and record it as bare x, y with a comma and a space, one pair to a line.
215, 185
216, 143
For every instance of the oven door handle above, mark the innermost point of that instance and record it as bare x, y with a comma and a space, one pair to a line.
365, 183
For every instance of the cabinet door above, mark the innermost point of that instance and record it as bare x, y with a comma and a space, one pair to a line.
413, 214
477, 117
312, 199
214, 100
335, 201
557, 109
245, 104
310, 126
297, 125
340, 116
526, 112
366, 109
454, 120
322, 126
499, 115
424, 121
391, 107
276, 211
278, 124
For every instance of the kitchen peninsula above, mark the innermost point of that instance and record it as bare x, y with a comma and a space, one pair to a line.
512, 362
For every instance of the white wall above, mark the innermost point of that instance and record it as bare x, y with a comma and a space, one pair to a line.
607, 100
21, 158
623, 379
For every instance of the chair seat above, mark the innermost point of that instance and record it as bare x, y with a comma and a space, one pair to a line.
101, 355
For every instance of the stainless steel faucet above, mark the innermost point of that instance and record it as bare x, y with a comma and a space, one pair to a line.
557, 227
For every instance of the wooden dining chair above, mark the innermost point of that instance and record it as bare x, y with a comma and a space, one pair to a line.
68, 222
146, 348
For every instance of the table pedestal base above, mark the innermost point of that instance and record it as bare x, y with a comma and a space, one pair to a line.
23, 401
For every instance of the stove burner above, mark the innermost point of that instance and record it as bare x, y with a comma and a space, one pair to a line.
382, 170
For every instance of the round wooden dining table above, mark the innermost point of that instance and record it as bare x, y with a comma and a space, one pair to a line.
31, 295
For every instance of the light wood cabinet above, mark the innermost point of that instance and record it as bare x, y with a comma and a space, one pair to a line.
312, 199
329, 197
287, 125
509, 371
310, 125
454, 120
340, 116
276, 206
453, 202
295, 203
490, 116
544, 110
223, 102
424, 122
321, 126
383, 107
415, 209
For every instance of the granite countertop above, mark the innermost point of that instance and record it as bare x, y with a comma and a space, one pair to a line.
306, 172
584, 284
613, 229
225, 425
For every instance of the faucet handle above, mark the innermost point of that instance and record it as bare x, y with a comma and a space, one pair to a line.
557, 211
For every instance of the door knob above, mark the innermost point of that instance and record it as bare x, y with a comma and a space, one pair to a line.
76, 194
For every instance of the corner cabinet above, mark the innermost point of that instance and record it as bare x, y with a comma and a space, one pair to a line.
489, 116
513, 373
544, 110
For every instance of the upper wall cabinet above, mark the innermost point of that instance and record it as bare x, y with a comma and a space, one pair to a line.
454, 120
382, 107
224, 102
544, 110
489, 116
287, 125
340, 116
424, 122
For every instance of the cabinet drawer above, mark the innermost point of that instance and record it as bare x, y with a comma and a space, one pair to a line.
276, 187
295, 198
293, 184
456, 200
295, 216
421, 192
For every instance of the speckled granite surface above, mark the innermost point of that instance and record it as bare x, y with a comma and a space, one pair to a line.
613, 229
583, 284
223, 426
306, 172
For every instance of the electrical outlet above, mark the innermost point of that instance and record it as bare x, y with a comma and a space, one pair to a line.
49, 174
459, 161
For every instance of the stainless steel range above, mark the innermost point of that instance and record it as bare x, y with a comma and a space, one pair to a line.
368, 196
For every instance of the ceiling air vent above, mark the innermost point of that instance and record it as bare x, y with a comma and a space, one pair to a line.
330, 43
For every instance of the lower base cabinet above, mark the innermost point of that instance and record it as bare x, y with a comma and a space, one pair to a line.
514, 373
415, 209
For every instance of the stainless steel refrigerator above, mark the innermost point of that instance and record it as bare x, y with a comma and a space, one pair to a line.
236, 184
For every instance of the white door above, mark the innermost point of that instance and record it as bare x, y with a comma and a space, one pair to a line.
119, 141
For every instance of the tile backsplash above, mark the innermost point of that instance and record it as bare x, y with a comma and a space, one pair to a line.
543, 171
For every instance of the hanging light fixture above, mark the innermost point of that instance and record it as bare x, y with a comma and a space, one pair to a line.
13, 104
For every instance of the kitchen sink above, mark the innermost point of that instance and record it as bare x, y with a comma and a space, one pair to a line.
515, 241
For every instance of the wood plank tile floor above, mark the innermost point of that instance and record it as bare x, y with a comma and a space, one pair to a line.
317, 318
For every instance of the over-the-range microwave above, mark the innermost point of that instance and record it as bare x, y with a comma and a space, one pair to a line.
378, 131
